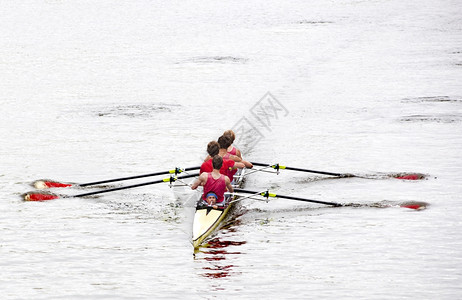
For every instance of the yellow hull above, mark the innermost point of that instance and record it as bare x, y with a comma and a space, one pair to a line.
207, 219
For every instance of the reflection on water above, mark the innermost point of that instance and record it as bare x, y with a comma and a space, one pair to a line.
217, 256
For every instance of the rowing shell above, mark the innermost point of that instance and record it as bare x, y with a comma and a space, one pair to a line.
207, 219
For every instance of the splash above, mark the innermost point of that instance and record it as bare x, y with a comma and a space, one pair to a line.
416, 205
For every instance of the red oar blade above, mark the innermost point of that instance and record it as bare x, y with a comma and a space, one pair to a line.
40, 197
46, 184
417, 205
409, 176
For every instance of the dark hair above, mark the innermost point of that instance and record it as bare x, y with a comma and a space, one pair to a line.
213, 148
224, 141
231, 134
217, 162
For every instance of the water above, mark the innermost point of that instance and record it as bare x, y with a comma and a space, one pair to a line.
92, 91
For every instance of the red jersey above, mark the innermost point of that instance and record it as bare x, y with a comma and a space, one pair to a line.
233, 151
216, 186
226, 168
230, 172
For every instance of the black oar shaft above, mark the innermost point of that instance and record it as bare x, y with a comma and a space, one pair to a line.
133, 186
309, 200
134, 177
313, 171
302, 170
260, 164
290, 197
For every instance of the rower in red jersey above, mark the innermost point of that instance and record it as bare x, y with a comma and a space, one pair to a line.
229, 166
215, 184
232, 149
225, 142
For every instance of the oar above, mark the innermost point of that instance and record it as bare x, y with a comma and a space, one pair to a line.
268, 194
242, 197
417, 205
49, 196
43, 184
278, 167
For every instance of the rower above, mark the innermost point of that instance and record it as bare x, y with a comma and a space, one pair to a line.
232, 149
215, 184
229, 166
225, 142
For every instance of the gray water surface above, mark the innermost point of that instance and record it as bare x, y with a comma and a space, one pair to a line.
92, 91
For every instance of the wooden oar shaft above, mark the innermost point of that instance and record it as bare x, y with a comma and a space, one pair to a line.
135, 177
303, 170
289, 197
133, 186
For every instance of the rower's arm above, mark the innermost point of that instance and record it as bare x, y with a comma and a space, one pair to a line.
238, 165
238, 153
199, 181
247, 164
228, 185
235, 158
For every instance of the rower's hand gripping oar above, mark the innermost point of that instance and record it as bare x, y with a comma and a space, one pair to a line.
49, 196
43, 184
